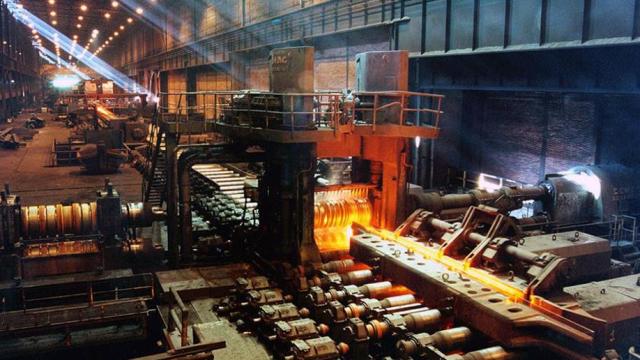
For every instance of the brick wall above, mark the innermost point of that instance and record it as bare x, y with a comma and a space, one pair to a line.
334, 60
523, 136
571, 133
619, 130
512, 131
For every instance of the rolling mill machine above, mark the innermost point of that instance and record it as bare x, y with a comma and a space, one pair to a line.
293, 233
37, 235
347, 261
266, 149
64, 284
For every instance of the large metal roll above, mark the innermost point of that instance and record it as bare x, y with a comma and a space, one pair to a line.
341, 212
42, 221
51, 219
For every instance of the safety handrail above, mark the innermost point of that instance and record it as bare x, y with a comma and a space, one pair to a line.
326, 109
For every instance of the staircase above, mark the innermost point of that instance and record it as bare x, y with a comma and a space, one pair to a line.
155, 177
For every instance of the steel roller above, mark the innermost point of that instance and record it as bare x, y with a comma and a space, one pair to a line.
341, 212
49, 220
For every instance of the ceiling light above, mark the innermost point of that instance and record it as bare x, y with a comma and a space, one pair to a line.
110, 37
91, 40
75, 37
139, 11
106, 42
107, 15
79, 26
34, 31
54, 22
121, 27
52, 2
116, 33
83, 7
80, 17
114, 4
53, 13
129, 20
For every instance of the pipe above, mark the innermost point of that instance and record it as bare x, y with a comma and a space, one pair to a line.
185, 214
181, 186
504, 199
175, 194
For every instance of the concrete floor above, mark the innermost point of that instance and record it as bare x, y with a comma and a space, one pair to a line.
29, 174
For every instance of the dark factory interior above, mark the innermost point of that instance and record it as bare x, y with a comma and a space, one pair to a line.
320, 179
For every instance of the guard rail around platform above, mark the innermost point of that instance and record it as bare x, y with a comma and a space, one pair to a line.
302, 117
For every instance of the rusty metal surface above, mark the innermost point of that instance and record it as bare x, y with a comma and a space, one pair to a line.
590, 256
478, 304
614, 300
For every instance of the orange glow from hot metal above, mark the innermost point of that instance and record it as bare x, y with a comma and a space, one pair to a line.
334, 212
397, 290
481, 276
331, 239
105, 113
512, 294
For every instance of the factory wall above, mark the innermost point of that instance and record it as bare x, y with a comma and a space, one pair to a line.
20, 83
186, 21
524, 135
334, 59
510, 111
176, 83
210, 78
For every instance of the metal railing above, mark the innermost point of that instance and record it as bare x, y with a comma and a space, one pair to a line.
178, 317
623, 228
90, 292
330, 110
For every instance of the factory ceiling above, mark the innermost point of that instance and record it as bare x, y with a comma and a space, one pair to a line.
92, 25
